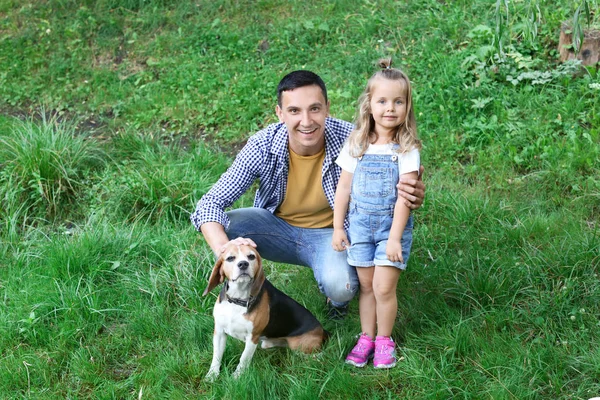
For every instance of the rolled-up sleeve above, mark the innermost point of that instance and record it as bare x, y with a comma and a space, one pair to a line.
238, 178
410, 162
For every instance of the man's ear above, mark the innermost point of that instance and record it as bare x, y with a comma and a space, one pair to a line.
216, 277
279, 113
327, 108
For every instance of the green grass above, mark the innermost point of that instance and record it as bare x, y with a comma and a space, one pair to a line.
117, 116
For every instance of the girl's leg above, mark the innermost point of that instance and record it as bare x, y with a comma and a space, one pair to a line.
366, 301
364, 349
385, 280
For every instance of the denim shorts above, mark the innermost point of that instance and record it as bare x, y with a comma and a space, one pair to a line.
368, 235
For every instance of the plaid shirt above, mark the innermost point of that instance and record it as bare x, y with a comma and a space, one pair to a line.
265, 157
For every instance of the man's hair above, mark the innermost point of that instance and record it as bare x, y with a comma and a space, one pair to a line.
298, 79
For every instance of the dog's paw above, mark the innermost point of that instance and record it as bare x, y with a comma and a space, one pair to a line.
211, 376
238, 372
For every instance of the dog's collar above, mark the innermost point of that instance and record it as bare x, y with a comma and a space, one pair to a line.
244, 303
248, 303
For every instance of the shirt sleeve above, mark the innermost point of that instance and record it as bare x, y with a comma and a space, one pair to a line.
409, 162
345, 160
238, 178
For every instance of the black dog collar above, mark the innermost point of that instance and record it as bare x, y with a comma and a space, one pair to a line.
248, 303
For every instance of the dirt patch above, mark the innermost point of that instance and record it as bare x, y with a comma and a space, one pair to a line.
96, 126
89, 125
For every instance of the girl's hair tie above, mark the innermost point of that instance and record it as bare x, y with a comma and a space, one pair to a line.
385, 63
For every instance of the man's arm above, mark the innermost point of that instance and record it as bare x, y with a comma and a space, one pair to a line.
401, 213
209, 216
412, 190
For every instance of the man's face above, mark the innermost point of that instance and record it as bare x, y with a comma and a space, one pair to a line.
303, 111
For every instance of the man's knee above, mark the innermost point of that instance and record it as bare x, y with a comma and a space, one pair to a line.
339, 290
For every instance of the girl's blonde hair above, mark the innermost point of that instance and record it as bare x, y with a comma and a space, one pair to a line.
364, 131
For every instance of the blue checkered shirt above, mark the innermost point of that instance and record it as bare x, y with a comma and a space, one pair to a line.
265, 157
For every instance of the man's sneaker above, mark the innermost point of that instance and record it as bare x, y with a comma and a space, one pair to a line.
385, 352
336, 313
362, 351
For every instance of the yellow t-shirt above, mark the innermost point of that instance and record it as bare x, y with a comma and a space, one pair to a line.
305, 204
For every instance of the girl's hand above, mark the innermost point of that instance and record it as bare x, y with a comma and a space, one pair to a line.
340, 241
393, 251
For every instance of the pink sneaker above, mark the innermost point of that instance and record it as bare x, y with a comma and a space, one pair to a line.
362, 351
385, 352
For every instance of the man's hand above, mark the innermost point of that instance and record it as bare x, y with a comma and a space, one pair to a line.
412, 190
239, 241
217, 239
340, 241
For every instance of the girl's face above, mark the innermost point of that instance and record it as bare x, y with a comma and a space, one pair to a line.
388, 105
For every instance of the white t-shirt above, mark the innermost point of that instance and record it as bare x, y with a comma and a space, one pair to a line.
407, 162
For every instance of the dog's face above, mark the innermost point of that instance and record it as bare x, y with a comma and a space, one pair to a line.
238, 264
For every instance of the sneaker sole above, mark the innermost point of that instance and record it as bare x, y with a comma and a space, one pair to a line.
385, 366
358, 365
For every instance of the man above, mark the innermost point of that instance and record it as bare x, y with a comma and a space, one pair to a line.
292, 218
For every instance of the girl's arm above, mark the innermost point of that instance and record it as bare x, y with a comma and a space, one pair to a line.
401, 213
340, 209
413, 190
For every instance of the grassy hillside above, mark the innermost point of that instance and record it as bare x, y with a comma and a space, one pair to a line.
117, 116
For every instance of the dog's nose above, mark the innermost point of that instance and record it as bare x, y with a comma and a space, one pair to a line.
243, 265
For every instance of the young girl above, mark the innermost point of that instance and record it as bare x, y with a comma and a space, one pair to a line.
383, 147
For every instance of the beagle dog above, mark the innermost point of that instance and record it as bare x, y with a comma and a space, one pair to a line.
250, 308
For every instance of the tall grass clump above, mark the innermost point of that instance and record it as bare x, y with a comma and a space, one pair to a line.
46, 167
153, 181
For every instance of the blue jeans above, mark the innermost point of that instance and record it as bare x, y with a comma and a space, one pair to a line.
281, 242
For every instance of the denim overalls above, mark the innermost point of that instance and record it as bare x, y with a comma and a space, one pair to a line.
371, 212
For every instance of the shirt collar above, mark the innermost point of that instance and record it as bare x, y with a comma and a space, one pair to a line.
329, 143
280, 140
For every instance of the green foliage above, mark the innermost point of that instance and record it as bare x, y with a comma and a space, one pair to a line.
523, 19
578, 30
45, 165
154, 182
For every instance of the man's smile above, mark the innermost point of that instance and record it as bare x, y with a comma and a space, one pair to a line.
307, 131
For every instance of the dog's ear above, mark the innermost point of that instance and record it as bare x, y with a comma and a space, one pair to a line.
259, 277
216, 277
